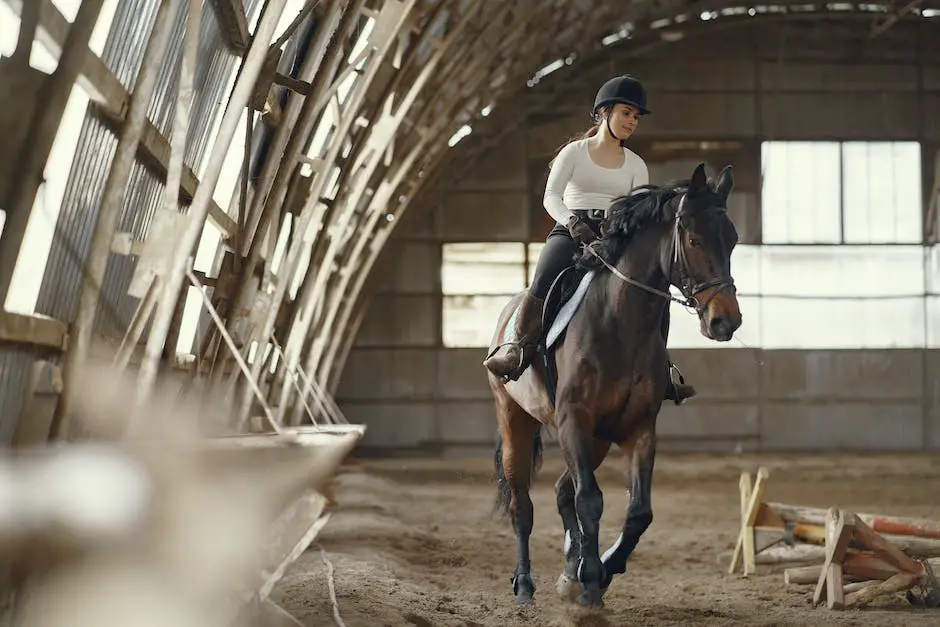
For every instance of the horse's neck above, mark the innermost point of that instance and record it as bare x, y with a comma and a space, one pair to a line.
643, 262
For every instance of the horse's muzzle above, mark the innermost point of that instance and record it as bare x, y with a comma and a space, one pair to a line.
721, 328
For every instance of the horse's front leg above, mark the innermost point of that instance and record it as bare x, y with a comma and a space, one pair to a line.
568, 587
576, 439
642, 455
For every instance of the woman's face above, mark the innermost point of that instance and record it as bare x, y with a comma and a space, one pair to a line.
624, 119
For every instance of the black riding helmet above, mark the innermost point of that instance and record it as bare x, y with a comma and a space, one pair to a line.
621, 89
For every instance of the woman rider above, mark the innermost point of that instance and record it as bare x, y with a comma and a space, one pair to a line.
585, 176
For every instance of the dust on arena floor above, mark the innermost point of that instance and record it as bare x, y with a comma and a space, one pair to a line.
415, 542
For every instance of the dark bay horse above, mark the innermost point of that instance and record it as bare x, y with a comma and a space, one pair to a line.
612, 371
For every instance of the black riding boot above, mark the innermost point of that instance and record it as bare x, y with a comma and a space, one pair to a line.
678, 390
511, 359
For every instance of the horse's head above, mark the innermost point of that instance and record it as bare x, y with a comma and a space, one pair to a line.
700, 264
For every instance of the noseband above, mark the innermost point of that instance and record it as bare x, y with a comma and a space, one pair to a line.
687, 286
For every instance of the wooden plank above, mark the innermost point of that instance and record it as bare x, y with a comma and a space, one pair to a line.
855, 567
897, 583
33, 330
899, 525
42, 125
744, 490
234, 24
815, 534
842, 527
94, 76
747, 545
767, 518
750, 505
294, 531
885, 550
111, 99
864, 566
838, 538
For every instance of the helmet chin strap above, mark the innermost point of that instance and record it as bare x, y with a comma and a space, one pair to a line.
607, 124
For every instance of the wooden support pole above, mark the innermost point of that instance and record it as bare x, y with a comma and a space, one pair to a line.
855, 567
744, 550
884, 562
43, 128
233, 23
382, 133
200, 205
394, 14
897, 583
839, 529
111, 101
899, 525
109, 212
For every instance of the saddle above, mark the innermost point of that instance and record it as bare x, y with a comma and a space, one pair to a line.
561, 303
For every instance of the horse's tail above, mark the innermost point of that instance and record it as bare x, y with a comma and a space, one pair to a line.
503, 494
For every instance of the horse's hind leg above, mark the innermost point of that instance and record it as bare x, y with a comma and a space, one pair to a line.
567, 585
642, 455
515, 467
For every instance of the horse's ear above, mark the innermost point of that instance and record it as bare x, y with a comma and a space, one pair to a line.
725, 183
699, 180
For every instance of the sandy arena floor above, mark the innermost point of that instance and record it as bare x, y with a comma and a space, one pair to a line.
416, 543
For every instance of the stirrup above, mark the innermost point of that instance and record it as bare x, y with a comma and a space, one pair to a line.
499, 346
526, 353
673, 392
515, 371
675, 368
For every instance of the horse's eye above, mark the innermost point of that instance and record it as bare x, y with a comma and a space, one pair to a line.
695, 242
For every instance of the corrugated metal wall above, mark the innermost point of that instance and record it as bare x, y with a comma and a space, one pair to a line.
15, 362
122, 54
61, 282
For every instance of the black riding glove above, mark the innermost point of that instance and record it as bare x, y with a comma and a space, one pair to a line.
581, 231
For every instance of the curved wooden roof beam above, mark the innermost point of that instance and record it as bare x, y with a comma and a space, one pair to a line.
335, 339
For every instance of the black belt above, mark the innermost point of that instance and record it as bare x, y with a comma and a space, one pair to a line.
594, 215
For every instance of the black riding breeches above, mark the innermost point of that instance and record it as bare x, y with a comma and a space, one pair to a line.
560, 251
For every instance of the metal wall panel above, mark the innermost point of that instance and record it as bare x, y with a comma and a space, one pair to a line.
122, 54
88, 172
15, 362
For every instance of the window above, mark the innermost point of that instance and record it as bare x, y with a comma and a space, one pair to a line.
841, 192
791, 297
800, 192
932, 306
477, 280
881, 192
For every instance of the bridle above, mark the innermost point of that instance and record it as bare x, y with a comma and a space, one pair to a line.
679, 262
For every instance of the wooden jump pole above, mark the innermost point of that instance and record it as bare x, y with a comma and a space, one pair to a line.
896, 525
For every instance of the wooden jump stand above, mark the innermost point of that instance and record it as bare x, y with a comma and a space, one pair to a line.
859, 564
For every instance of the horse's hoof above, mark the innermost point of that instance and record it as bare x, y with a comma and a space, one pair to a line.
568, 588
591, 597
524, 589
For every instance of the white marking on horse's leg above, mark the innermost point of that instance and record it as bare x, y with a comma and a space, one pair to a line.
567, 588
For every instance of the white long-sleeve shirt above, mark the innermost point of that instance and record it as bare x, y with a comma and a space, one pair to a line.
576, 182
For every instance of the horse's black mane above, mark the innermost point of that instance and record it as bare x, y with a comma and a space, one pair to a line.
645, 206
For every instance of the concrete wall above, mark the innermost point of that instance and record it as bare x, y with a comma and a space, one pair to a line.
413, 393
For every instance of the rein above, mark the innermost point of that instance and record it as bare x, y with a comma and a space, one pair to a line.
689, 289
